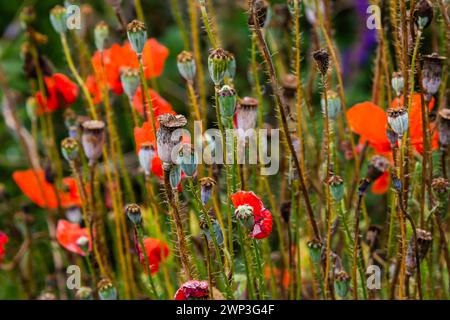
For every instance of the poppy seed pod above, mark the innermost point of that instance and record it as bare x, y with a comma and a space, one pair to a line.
424, 239
218, 65
246, 113
188, 160
334, 105
70, 149
289, 83
84, 293
106, 290
398, 120
227, 101
432, 72
93, 138
134, 213
83, 244
146, 154
397, 83
341, 283
322, 59
27, 15
423, 14
175, 176
137, 35
444, 128
58, 16
244, 214
206, 186
186, 65
315, 250
130, 81
336, 187
101, 34
261, 14
166, 139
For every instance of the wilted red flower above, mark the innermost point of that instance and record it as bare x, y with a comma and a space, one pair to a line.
31, 182
3, 240
262, 225
160, 105
157, 251
193, 290
61, 92
68, 233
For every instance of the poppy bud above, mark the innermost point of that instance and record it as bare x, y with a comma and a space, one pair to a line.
27, 15
165, 142
133, 212
175, 176
137, 35
206, 186
84, 293
130, 81
334, 105
244, 214
397, 83
189, 161
432, 72
261, 14
83, 244
101, 34
336, 187
444, 128
341, 283
315, 250
146, 154
186, 65
93, 139
70, 149
31, 106
231, 66
227, 101
322, 59
285, 211
218, 65
246, 113
106, 290
424, 239
289, 83
58, 16
398, 120
423, 14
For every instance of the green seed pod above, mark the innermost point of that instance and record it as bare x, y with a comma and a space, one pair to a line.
133, 212
334, 105
218, 65
186, 65
341, 283
336, 187
397, 83
101, 34
188, 160
231, 68
70, 149
244, 214
175, 176
398, 120
137, 35
58, 16
106, 290
227, 101
130, 81
315, 250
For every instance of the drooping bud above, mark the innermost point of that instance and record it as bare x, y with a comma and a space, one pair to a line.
227, 101
336, 187
246, 113
432, 72
423, 14
146, 154
166, 139
444, 128
101, 34
231, 66
397, 83
83, 244
334, 104
218, 65
130, 81
186, 65
31, 106
261, 14
315, 250
93, 138
341, 283
70, 149
106, 290
27, 15
58, 19
244, 214
322, 59
289, 83
398, 120
84, 293
137, 35
134, 213
175, 176
188, 160
424, 239
206, 186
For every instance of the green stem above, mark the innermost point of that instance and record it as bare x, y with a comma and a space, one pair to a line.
147, 264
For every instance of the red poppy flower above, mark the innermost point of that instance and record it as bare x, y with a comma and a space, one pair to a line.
193, 290
68, 233
160, 105
3, 241
262, 217
157, 251
31, 182
61, 92
94, 89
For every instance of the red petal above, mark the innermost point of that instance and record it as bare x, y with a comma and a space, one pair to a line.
67, 235
381, 185
247, 197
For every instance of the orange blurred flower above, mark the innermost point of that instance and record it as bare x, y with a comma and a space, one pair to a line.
3, 241
31, 182
61, 92
68, 233
157, 251
160, 105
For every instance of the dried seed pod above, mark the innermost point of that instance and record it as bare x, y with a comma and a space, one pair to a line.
424, 239
166, 138
444, 128
432, 66
246, 113
322, 59
206, 186
92, 139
